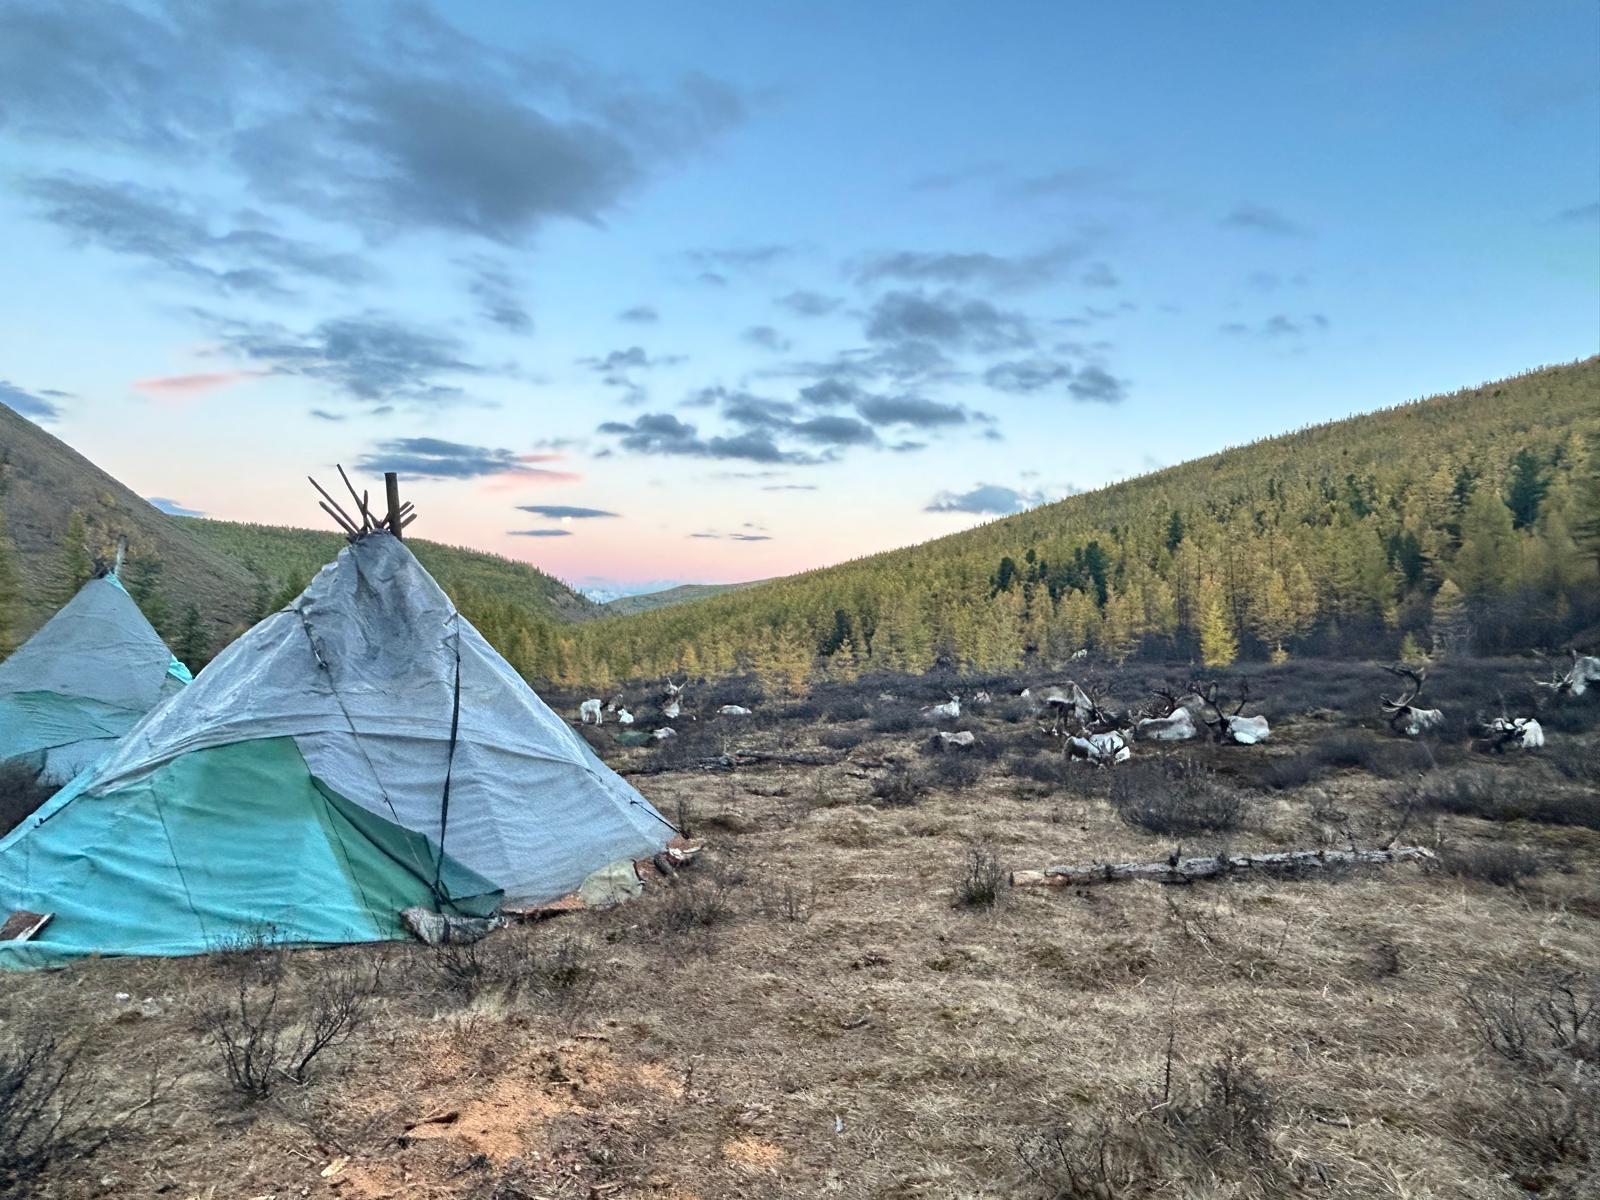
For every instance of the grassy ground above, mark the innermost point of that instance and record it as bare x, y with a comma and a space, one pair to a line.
812, 1011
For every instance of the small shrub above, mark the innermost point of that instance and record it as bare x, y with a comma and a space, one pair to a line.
1175, 796
1497, 863
685, 816
900, 719
251, 1031
1501, 795
1575, 761
1041, 766
898, 787
41, 1107
954, 769
21, 794
980, 879
847, 708
1535, 1016
841, 739
791, 903
695, 903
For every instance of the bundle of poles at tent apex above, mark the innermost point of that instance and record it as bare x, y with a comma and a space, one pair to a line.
394, 520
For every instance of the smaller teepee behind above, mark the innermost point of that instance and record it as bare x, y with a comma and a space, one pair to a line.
72, 690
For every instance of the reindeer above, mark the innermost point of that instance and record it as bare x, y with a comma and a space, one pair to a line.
1509, 733
589, 713
616, 703
949, 710
733, 710
1230, 727
1081, 653
1087, 729
1406, 717
672, 700
1165, 720
1585, 670
961, 740
624, 717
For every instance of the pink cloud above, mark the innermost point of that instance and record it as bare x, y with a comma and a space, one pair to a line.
178, 388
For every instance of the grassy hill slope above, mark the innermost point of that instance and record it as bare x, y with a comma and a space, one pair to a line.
1336, 538
43, 481
628, 606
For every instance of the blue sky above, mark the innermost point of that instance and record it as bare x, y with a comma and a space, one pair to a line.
718, 291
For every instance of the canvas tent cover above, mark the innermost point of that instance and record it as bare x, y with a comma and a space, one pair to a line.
395, 712
76, 686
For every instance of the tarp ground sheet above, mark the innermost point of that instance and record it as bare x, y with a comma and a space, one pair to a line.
83, 681
229, 843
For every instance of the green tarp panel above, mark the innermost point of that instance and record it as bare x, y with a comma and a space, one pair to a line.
217, 846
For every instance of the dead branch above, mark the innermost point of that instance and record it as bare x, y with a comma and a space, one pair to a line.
1187, 870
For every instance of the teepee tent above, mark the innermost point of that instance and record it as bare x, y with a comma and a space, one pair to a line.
74, 688
363, 750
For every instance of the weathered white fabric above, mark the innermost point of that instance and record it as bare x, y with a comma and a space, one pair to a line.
361, 670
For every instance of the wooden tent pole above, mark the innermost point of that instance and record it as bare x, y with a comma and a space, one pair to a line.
391, 487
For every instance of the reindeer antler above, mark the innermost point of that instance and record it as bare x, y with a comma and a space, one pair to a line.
1415, 677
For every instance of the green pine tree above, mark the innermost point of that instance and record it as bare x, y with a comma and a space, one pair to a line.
194, 647
10, 592
76, 566
1526, 489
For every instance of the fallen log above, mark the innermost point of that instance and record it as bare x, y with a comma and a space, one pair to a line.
1186, 870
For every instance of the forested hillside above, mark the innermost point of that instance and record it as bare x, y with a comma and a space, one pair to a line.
1471, 518
627, 606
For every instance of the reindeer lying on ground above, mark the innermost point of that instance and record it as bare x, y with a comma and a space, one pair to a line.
1577, 679
1089, 731
1166, 720
1509, 733
1230, 727
733, 710
1406, 717
950, 710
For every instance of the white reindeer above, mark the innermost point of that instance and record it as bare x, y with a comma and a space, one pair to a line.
672, 702
949, 710
1512, 733
961, 740
1585, 671
733, 710
589, 713
1177, 726
665, 732
1101, 749
624, 717
1080, 653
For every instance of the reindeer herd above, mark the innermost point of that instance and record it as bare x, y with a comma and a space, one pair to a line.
1088, 729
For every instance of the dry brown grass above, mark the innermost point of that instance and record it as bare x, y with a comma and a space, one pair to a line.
816, 1015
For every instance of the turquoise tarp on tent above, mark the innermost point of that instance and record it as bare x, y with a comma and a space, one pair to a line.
215, 845
73, 689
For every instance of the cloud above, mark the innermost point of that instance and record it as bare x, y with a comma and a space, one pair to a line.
639, 314
434, 458
803, 303
1096, 386
740, 258
370, 358
164, 228
32, 405
1023, 376
766, 337
323, 414
987, 499
183, 385
1279, 325
1068, 181
1099, 275
497, 294
539, 532
172, 508
968, 269
614, 370
377, 125
788, 487
946, 319
565, 512
1581, 214
910, 410
733, 537
1261, 219
663, 433
835, 431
